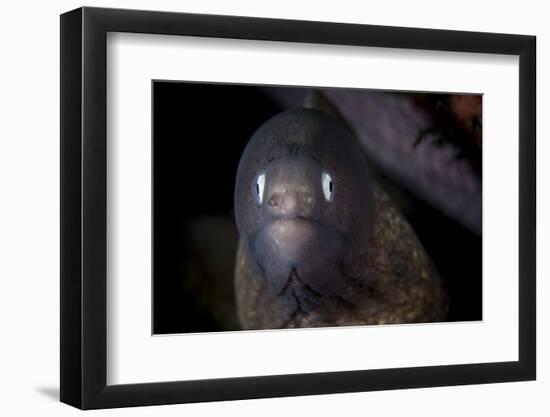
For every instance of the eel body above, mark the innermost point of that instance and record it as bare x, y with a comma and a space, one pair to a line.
321, 243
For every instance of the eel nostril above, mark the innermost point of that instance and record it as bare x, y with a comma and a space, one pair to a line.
306, 199
291, 202
274, 201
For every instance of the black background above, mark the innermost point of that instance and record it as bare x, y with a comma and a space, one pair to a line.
200, 131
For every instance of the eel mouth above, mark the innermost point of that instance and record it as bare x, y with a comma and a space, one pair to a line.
291, 237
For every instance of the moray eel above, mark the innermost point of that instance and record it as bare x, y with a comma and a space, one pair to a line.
321, 244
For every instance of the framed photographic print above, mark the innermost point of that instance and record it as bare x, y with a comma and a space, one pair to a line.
257, 207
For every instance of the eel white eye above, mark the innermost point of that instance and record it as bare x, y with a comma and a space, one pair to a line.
259, 188
328, 186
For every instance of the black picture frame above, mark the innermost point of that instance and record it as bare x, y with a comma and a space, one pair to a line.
83, 207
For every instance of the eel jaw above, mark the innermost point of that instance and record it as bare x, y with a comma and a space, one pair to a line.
300, 260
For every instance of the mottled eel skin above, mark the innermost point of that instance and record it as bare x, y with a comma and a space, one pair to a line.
321, 243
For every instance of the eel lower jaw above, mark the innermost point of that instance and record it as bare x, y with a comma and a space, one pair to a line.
300, 294
298, 258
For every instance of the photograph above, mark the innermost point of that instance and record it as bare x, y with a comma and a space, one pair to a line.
261, 206
280, 207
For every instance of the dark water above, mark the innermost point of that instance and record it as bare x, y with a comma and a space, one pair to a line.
199, 133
